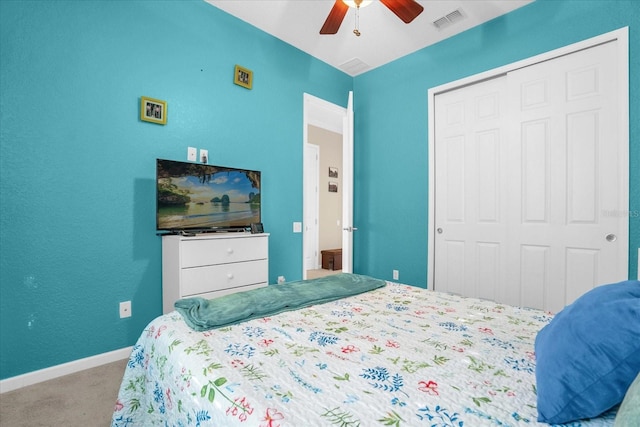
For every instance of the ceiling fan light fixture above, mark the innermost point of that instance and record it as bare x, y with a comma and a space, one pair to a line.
406, 10
357, 3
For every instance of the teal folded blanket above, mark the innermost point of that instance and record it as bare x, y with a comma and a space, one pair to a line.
205, 314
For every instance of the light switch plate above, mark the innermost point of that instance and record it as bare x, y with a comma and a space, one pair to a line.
297, 227
204, 156
191, 154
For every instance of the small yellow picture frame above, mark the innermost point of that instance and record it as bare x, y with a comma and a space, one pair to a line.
243, 77
153, 110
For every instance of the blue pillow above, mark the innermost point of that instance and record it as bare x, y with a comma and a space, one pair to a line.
589, 354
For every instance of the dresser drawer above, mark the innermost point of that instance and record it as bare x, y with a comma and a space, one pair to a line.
212, 278
200, 252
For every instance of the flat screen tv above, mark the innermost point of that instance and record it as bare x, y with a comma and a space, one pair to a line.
197, 197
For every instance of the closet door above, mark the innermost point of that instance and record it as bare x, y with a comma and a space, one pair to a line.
563, 239
471, 190
526, 179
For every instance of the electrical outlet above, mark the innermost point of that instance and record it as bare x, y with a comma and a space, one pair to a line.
204, 156
125, 309
396, 275
191, 154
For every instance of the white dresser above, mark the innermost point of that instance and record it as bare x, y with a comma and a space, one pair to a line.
212, 265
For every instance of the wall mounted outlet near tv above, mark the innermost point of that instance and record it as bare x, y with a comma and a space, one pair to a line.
192, 197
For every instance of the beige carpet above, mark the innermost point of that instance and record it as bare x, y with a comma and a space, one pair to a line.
314, 274
82, 399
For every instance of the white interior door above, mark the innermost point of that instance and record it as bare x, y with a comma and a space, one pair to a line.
527, 166
566, 141
310, 224
347, 192
471, 190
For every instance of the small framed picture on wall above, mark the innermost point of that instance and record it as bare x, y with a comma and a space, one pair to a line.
153, 110
333, 172
243, 77
333, 187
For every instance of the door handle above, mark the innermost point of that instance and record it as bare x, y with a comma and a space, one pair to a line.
611, 237
439, 230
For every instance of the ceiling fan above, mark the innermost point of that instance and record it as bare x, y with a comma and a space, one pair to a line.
407, 10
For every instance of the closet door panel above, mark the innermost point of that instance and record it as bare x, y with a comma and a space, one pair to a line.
568, 148
470, 190
526, 180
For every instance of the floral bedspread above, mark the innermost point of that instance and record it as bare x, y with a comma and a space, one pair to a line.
396, 356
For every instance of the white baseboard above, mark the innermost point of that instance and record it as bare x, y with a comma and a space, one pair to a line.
41, 375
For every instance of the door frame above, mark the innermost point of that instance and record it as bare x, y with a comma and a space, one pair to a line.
622, 36
326, 115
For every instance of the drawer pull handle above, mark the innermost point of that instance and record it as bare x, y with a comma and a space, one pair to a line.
230, 251
229, 275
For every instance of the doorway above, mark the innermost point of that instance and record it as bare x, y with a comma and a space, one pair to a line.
326, 217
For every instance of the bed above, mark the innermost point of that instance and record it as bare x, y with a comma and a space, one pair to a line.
396, 355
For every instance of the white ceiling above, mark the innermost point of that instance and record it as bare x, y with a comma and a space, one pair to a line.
384, 36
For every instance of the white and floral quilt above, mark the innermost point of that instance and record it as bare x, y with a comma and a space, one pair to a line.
395, 356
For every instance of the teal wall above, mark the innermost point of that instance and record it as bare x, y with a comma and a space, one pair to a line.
77, 225
77, 230
390, 105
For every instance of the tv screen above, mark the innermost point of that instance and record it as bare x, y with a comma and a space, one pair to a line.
193, 197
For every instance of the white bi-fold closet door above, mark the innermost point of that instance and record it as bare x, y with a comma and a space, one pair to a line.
528, 181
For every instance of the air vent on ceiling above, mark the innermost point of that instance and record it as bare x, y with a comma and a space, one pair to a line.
448, 19
354, 67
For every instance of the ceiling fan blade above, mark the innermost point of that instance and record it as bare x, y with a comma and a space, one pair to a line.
332, 24
407, 10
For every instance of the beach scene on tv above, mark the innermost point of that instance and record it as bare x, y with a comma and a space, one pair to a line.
194, 196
